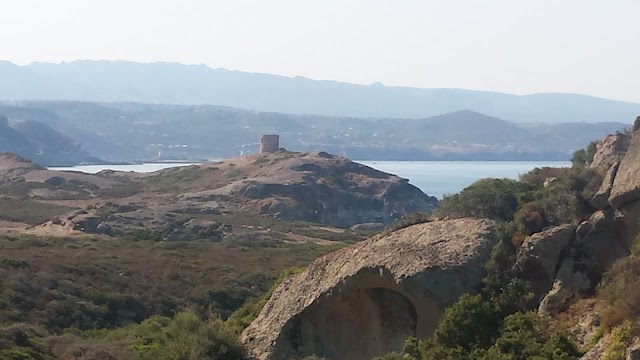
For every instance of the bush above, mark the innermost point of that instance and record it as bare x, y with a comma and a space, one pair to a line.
619, 290
619, 342
497, 199
530, 219
469, 323
187, 337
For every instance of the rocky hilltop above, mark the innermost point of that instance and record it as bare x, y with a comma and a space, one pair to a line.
365, 300
293, 187
315, 187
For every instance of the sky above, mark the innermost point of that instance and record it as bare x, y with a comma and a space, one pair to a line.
513, 46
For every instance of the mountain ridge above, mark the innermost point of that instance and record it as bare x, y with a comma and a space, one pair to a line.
172, 83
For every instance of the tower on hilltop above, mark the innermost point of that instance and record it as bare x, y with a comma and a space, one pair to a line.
269, 143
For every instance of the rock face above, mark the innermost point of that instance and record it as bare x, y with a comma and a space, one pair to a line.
609, 150
601, 198
539, 256
567, 284
601, 237
365, 300
598, 351
626, 185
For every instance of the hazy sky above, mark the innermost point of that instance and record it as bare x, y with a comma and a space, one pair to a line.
515, 46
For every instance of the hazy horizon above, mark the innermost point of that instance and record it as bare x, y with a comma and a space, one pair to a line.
311, 78
575, 46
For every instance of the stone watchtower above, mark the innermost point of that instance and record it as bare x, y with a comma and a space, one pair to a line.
269, 143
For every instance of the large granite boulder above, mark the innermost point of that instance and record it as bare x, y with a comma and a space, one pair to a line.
609, 150
569, 282
601, 238
539, 256
365, 300
601, 198
626, 185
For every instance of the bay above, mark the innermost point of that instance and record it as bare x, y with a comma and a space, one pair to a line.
436, 178
439, 178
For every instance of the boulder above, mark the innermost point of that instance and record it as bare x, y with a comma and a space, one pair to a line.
601, 239
626, 185
633, 352
609, 150
567, 284
370, 227
365, 300
539, 255
597, 352
636, 124
195, 229
601, 198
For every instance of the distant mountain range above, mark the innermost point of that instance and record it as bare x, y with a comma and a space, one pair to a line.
170, 83
133, 131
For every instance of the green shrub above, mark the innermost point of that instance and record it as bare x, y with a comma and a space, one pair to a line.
619, 342
187, 337
469, 323
619, 290
497, 199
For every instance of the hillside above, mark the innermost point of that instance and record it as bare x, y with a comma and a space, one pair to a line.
40, 143
132, 131
170, 83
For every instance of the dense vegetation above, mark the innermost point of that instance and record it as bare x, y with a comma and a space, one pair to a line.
543, 197
100, 298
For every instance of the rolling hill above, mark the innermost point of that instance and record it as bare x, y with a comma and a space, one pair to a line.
132, 131
171, 83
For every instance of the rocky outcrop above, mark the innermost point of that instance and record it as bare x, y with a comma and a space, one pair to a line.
610, 150
601, 238
365, 300
601, 198
368, 227
539, 255
315, 187
568, 283
626, 185
633, 352
599, 350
